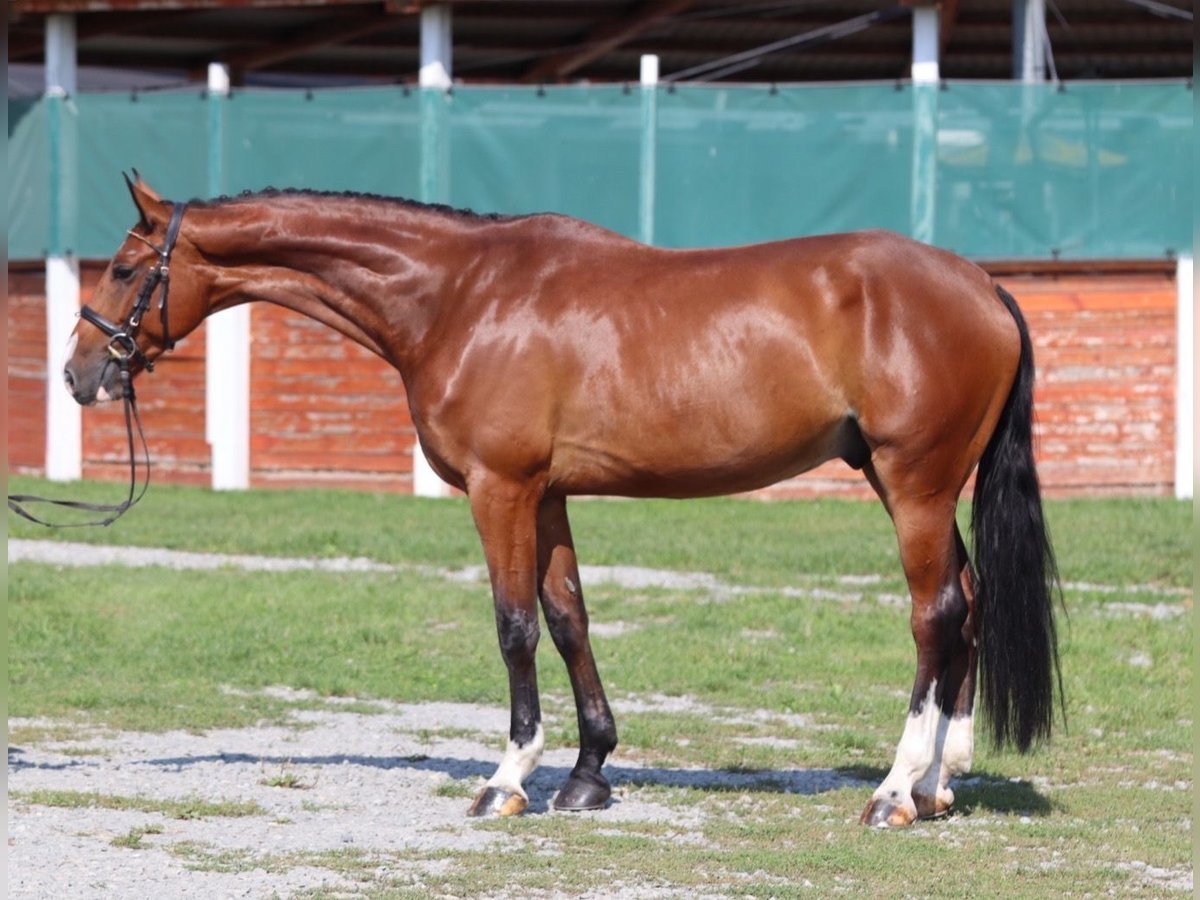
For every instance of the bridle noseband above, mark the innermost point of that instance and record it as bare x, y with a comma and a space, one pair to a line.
123, 348
122, 344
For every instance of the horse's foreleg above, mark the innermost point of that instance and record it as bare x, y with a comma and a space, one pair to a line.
562, 602
937, 739
505, 515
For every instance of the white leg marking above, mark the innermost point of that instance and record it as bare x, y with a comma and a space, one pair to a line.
956, 738
914, 754
959, 749
518, 762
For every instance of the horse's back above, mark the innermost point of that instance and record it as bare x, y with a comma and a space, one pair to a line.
636, 370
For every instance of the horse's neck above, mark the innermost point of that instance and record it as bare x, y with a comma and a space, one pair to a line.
372, 271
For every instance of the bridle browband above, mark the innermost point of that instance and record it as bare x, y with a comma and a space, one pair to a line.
124, 349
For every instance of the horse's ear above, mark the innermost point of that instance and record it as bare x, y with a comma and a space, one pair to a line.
149, 204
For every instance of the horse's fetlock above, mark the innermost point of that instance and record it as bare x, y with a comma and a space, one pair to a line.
599, 733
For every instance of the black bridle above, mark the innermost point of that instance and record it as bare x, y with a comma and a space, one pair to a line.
122, 344
124, 350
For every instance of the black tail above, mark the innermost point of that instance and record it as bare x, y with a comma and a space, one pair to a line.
1016, 577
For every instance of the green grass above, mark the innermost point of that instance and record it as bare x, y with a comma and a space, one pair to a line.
190, 808
95, 649
285, 779
745, 541
132, 839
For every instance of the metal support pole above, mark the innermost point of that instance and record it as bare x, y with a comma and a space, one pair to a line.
434, 184
64, 421
227, 344
648, 169
925, 76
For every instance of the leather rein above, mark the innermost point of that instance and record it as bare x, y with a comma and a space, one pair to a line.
124, 350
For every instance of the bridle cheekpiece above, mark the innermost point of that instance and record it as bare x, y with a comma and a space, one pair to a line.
122, 344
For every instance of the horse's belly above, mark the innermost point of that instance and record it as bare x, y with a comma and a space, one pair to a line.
690, 461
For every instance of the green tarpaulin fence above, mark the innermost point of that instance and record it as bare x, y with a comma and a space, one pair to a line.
1083, 170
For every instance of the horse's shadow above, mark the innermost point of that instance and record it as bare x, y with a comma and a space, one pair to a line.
547, 779
978, 791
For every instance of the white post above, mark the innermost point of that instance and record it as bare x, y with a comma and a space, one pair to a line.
649, 148
926, 39
436, 47
64, 420
1029, 40
1184, 385
227, 397
434, 78
227, 347
925, 74
61, 66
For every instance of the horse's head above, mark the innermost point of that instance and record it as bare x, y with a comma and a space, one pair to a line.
143, 303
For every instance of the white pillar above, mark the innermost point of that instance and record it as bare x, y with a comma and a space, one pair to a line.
1184, 385
61, 67
435, 77
227, 346
64, 420
648, 168
1029, 40
218, 79
436, 47
227, 397
926, 40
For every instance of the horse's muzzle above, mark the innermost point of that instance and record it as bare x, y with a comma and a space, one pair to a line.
102, 387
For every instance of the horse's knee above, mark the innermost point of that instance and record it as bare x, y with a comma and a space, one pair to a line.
519, 632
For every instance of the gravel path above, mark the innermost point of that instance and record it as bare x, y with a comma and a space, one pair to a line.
373, 783
391, 785
846, 587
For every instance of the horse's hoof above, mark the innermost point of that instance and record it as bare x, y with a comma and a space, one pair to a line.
582, 793
494, 801
883, 812
934, 807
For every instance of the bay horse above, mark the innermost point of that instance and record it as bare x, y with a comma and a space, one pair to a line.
544, 357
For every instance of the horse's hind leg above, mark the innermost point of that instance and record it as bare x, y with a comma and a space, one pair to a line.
506, 515
937, 739
562, 603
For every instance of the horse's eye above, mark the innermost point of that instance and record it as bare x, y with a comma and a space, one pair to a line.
122, 273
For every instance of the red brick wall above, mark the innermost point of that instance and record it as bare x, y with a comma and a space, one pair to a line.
1105, 399
324, 411
26, 371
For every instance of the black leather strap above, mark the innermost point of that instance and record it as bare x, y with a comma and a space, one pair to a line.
123, 347
132, 417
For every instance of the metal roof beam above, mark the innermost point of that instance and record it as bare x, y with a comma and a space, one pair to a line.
603, 39
333, 30
25, 7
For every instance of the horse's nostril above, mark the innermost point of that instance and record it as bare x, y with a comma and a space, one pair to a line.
69, 378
